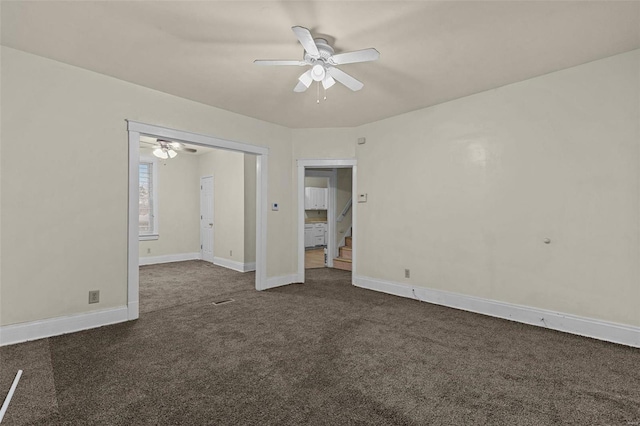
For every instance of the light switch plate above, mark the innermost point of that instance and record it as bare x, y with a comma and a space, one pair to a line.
275, 207
362, 198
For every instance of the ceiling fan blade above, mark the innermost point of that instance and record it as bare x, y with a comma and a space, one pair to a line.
345, 79
147, 139
306, 78
304, 82
328, 81
300, 87
274, 62
364, 55
178, 146
306, 40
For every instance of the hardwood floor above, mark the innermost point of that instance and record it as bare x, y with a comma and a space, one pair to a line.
314, 258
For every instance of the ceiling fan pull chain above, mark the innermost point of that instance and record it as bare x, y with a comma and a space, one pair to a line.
318, 93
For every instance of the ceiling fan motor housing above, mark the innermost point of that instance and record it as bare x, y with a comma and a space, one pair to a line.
324, 49
320, 64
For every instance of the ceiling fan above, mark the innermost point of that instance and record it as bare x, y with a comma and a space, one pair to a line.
320, 56
165, 149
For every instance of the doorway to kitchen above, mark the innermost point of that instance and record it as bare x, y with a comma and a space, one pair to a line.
330, 236
317, 203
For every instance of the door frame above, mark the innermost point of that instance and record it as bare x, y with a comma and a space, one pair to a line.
135, 129
304, 164
201, 217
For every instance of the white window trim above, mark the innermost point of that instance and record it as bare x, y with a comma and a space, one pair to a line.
154, 188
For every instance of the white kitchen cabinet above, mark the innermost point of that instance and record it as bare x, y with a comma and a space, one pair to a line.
321, 198
315, 234
308, 235
315, 198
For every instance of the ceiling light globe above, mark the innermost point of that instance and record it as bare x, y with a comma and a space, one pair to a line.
317, 72
160, 153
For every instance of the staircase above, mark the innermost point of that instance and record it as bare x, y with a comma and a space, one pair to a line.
343, 261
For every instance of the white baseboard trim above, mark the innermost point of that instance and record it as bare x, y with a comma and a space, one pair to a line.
281, 280
232, 264
588, 327
18, 333
179, 257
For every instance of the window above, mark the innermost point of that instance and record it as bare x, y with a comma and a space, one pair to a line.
148, 200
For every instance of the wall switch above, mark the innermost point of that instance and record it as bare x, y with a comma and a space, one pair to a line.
407, 273
362, 141
362, 198
274, 207
94, 296
231, 253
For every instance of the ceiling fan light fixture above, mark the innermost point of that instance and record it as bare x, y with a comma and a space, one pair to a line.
161, 153
306, 78
321, 57
317, 72
327, 82
172, 153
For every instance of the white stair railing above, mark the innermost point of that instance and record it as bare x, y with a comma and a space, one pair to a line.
345, 210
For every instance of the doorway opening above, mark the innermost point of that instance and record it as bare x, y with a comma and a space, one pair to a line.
318, 183
137, 130
326, 215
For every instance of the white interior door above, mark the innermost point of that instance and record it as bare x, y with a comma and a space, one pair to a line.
206, 218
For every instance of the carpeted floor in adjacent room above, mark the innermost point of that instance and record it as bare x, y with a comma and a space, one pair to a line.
322, 353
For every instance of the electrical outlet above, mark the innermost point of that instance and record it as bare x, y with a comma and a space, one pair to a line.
94, 296
407, 273
148, 250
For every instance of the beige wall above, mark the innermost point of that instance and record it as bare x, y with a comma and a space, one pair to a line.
178, 207
227, 169
336, 143
316, 182
324, 143
179, 203
464, 193
70, 217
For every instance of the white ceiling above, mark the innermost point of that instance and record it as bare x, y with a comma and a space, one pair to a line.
431, 51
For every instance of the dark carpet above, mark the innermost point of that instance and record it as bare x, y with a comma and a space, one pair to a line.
322, 353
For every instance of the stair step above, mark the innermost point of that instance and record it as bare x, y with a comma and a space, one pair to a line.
346, 252
347, 241
340, 263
